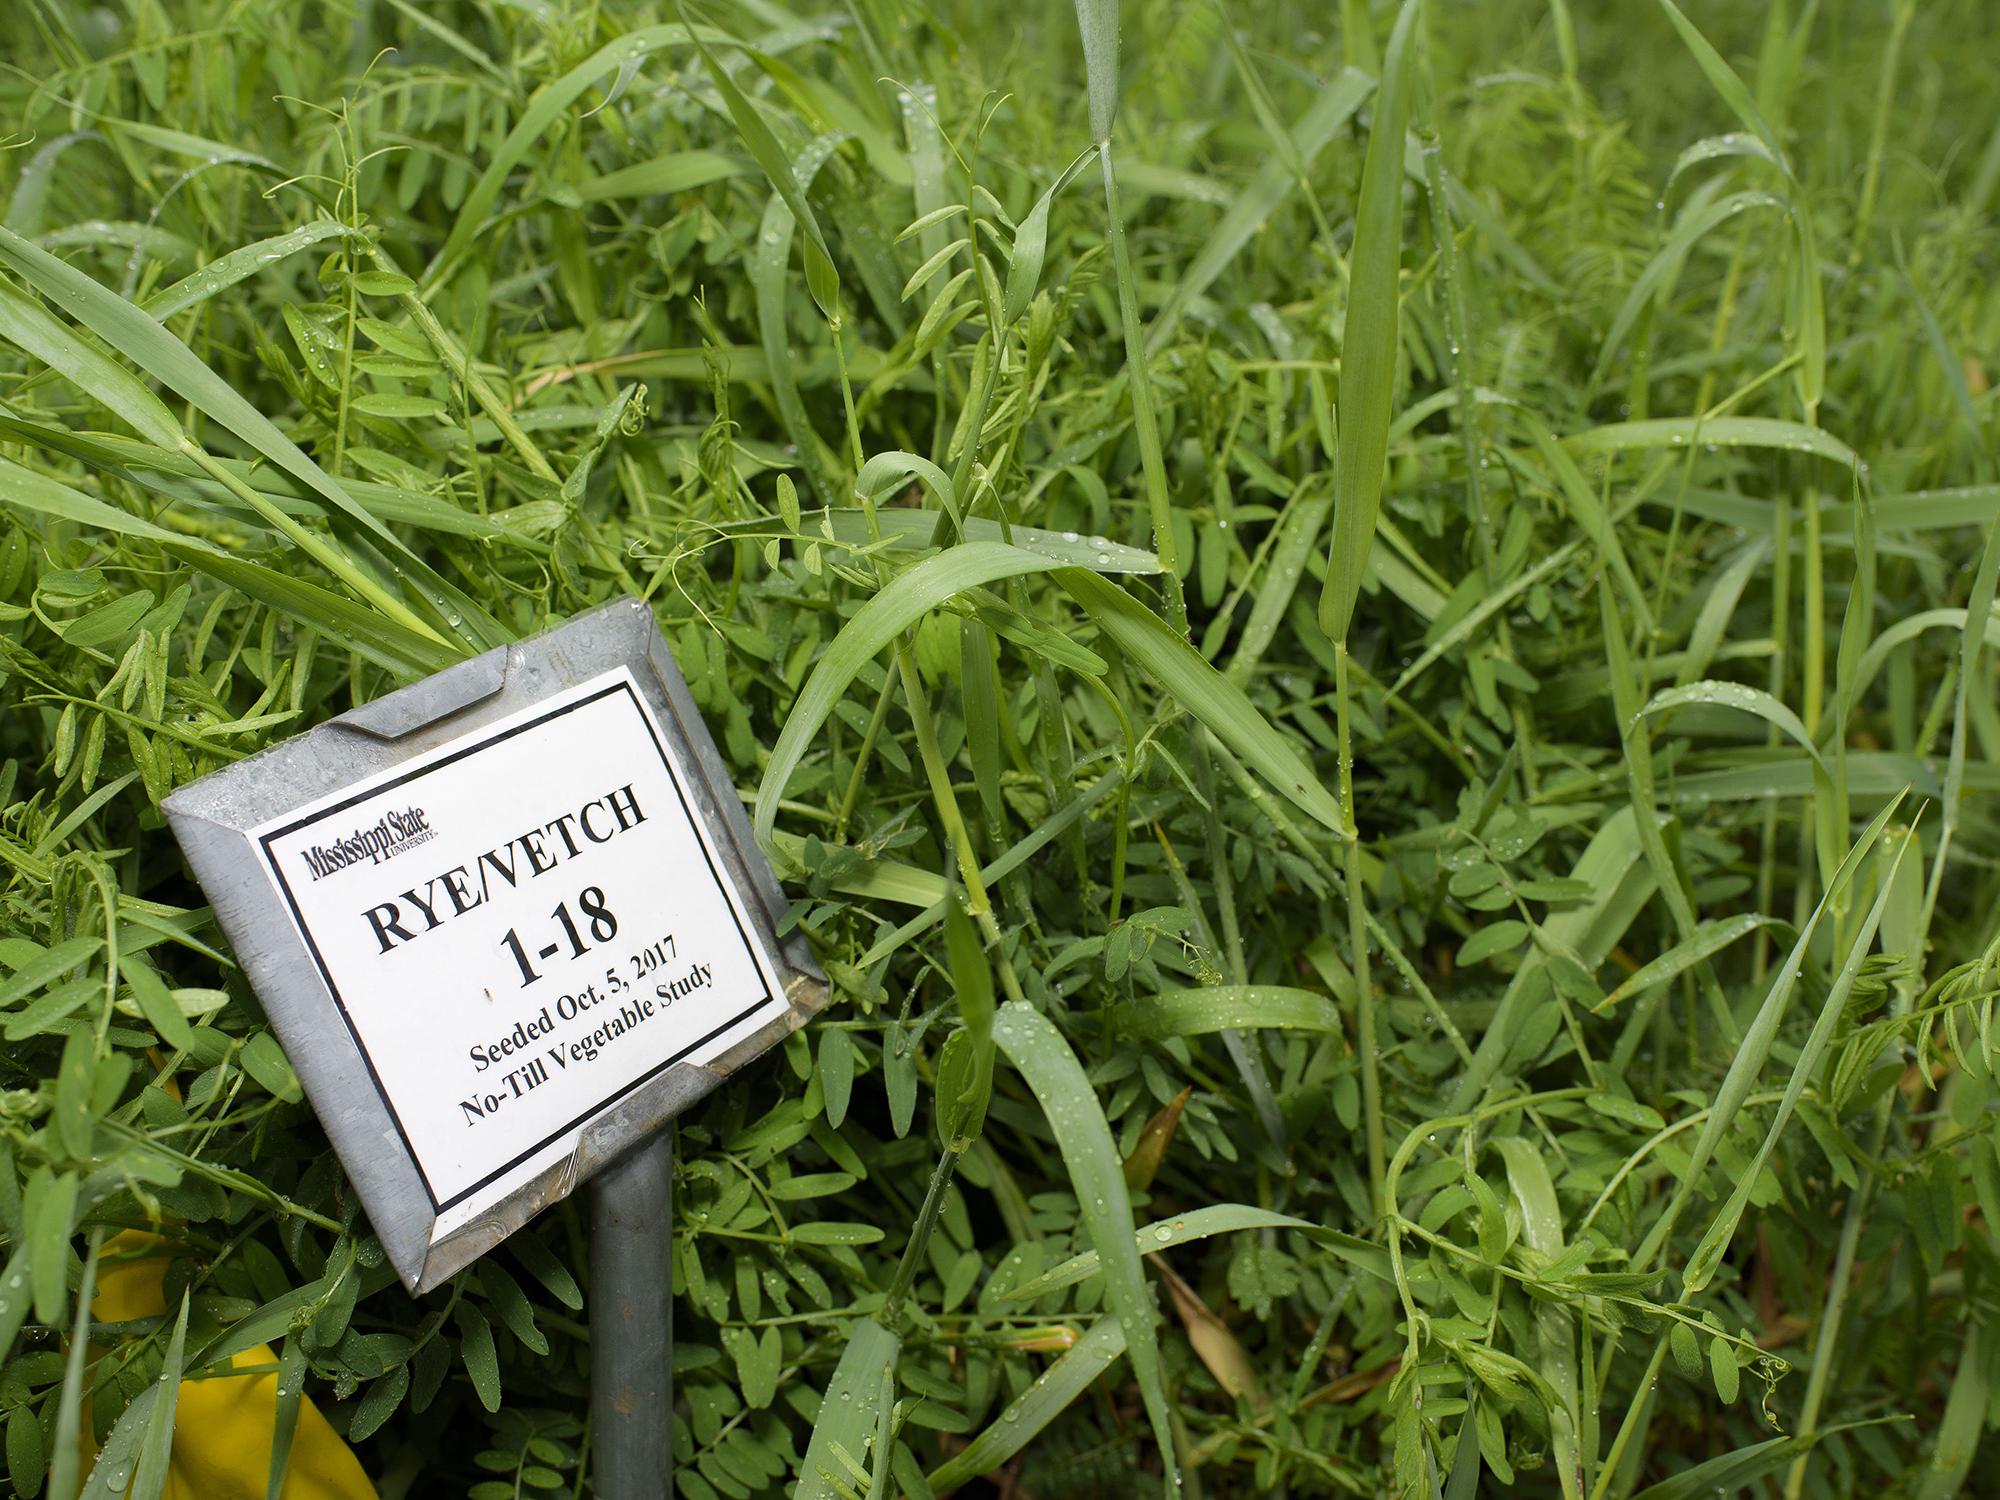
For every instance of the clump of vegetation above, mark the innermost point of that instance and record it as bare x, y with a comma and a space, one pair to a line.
1365, 649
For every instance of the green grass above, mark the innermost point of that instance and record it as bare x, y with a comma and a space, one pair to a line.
1375, 698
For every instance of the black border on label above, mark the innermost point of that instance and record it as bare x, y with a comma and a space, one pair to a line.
757, 959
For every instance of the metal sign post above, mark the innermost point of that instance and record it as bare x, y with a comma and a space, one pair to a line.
508, 922
632, 1323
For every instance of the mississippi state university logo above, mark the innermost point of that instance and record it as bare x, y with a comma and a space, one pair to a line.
392, 834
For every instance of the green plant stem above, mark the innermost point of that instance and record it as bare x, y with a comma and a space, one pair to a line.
1635, 1415
1144, 422
1767, 846
1357, 941
1826, 1333
1904, 12
1164, 545
459, 359
920, 1235
862, 755
982, 402
1218, 864
339, 464
1242, 1050
834, 326
1121, 828
993, 342
1813, 686
978, 904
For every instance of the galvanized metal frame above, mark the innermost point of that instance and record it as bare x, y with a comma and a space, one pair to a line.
212, 819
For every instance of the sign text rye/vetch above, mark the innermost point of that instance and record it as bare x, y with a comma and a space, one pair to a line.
454, 892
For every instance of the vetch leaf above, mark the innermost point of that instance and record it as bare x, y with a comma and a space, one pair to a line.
385, 1395
265, 1061
381, 283
1492, 939
381, 404
1722, 1365
759, 1359
829, 1232
475, 1347
73, 1080
48, 1215
1687, 1350
1630, 1111
39, 970
836, 1072
16, 1295
26, 1457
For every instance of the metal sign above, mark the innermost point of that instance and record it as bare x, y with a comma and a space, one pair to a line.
507, 921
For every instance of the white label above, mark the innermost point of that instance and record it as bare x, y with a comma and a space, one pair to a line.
520, 929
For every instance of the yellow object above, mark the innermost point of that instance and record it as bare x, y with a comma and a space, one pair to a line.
223, 1425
